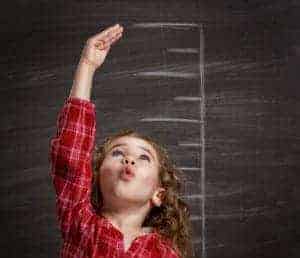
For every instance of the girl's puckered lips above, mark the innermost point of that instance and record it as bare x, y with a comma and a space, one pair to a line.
127, 173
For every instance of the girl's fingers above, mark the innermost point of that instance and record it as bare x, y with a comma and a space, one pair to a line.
119, 35
105, 32
112, 35
113, 38
108, 33
103, 43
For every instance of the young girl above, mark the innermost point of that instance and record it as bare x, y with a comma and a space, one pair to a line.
120, 200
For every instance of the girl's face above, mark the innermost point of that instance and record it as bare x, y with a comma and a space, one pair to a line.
142, 161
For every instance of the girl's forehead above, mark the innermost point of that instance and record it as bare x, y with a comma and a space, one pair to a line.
131, 140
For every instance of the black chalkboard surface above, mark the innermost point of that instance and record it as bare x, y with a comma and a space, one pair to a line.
215, 83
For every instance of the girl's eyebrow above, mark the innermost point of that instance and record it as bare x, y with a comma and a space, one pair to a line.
141, 147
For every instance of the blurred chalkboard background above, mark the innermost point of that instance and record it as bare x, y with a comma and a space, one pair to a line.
216, 82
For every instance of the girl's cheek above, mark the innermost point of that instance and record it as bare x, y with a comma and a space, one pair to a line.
110, 165
150, 180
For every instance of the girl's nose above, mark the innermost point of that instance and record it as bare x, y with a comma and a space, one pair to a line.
128, 160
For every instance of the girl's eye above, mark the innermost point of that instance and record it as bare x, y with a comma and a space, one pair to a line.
117, 152
145, 157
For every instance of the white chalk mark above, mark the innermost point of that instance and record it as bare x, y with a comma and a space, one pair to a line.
183, 50
189, 144
189, 168
168, 74
187, 98
195, 217
164, 24
193, 196
166, 119
202, 136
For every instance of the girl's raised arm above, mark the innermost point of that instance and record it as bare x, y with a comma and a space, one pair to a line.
92, 57
71, 147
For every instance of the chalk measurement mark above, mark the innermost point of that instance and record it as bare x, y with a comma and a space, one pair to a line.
164, 24
190, 168
183, 50
166, 119
187, 98
189, 144
168, 74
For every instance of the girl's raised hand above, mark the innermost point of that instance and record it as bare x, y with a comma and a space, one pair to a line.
98, 46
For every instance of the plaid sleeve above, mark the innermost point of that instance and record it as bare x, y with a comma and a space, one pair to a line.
174, 254
70, 157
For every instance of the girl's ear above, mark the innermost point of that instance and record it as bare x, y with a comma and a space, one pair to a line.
158, 196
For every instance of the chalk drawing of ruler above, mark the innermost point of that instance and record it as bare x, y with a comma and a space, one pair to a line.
200, 100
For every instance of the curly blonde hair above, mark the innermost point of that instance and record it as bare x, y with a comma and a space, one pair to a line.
171, 219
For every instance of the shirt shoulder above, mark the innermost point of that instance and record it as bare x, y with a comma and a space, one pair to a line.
166, 247
89, 221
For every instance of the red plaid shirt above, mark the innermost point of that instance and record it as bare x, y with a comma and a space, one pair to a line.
86, 233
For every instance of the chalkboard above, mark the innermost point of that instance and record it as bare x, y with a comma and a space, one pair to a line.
215, 83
